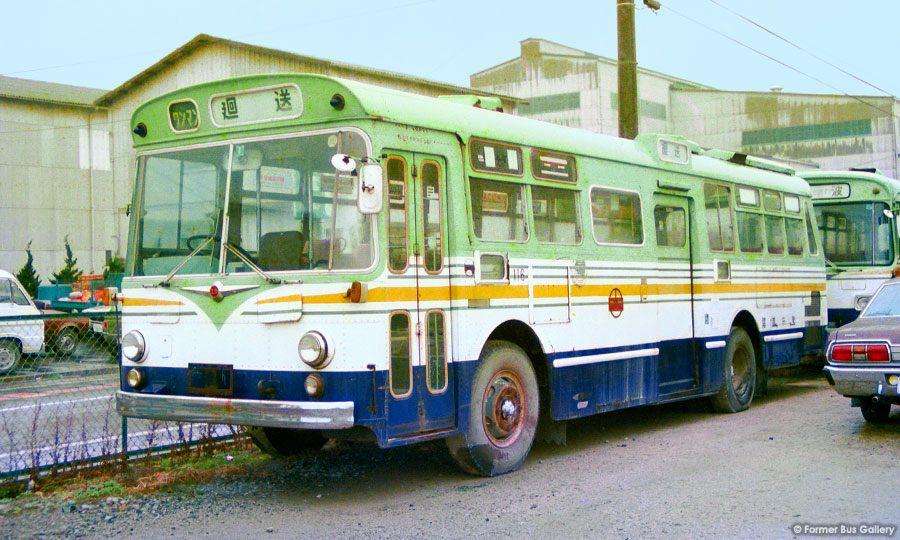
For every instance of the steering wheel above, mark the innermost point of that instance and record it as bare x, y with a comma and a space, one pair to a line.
194, 241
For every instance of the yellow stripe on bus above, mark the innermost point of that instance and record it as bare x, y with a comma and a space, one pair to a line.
150, 302
502, 292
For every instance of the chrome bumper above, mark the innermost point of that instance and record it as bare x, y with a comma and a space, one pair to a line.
863, 382
244, 412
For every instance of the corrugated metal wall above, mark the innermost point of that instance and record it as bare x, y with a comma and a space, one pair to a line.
831, 132
50, 157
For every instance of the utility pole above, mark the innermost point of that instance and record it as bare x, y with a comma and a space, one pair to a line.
628, 101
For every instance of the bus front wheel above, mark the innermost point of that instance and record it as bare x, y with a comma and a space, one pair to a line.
503, 413
283, 442
739, 379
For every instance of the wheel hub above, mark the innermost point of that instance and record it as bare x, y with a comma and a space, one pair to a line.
503, 408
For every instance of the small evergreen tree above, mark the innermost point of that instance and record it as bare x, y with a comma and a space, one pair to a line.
69, 272
27, 275
115, 265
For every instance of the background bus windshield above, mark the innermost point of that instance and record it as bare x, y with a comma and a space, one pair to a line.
856, 234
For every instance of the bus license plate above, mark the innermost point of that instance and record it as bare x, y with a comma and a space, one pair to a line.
210, 380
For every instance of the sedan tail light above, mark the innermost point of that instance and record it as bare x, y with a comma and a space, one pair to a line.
860, 353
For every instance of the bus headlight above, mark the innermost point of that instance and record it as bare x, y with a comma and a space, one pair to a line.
313, 350
134, 347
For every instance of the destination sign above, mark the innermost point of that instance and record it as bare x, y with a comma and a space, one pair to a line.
256, 106
831, 191
183, 116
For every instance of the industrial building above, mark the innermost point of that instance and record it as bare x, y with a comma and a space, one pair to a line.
67, 166
579, 89
66, 162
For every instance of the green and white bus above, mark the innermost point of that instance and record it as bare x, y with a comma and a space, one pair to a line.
855, 211
319, 258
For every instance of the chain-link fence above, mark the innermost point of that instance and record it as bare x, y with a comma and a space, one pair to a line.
58, 378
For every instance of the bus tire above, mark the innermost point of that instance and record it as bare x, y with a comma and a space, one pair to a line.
10, 356
503, 413
284, 442
875, 412
739, 379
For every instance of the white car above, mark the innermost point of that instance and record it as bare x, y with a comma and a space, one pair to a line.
18, 336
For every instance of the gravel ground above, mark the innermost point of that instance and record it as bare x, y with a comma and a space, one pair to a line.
800, 455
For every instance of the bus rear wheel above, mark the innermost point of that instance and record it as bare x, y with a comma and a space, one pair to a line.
284, 442
739, 379
503, 413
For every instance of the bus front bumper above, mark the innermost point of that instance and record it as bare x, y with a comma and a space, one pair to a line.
244, 412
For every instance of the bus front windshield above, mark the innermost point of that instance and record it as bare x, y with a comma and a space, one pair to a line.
286, 210
856, 234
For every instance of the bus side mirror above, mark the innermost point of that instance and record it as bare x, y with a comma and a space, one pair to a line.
371, 189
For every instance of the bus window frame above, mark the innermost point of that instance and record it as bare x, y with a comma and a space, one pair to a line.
444, 363
409, 354
440, 206
520, 173
526, 214
388, 228
640, 206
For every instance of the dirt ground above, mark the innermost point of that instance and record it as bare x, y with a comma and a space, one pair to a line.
800, 457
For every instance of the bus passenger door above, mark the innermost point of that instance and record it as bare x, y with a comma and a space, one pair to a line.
420, 399
678, 369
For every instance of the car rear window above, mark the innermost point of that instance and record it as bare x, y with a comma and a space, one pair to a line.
886, 302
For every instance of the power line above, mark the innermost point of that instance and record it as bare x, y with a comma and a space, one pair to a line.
798, 47
777, 61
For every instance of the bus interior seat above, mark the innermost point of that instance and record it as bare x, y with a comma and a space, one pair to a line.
282, 250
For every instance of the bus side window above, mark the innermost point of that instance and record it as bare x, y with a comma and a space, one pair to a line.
401, 367
556, 215
794, 232
775, 234
498, 210
719, 223
811, 234
670, 226
398, 256
750, 232
616, 216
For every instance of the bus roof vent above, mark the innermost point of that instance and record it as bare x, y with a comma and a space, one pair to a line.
482, 102
749, 161
865, 169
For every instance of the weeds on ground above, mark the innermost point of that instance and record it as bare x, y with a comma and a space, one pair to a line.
135, 478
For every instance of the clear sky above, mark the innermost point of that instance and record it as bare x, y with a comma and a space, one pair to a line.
103, 44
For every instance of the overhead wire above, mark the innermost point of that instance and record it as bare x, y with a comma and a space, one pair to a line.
798, 47
777, 61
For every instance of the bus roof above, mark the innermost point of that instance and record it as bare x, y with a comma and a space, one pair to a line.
364, 100
817, 177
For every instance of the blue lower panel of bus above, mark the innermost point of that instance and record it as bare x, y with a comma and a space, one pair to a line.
583, 383
391, 419
652, 373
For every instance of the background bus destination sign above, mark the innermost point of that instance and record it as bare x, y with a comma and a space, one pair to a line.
256, 105
830, 191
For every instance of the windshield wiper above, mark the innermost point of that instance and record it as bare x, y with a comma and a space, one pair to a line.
165, 282
246, 260
831, 264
